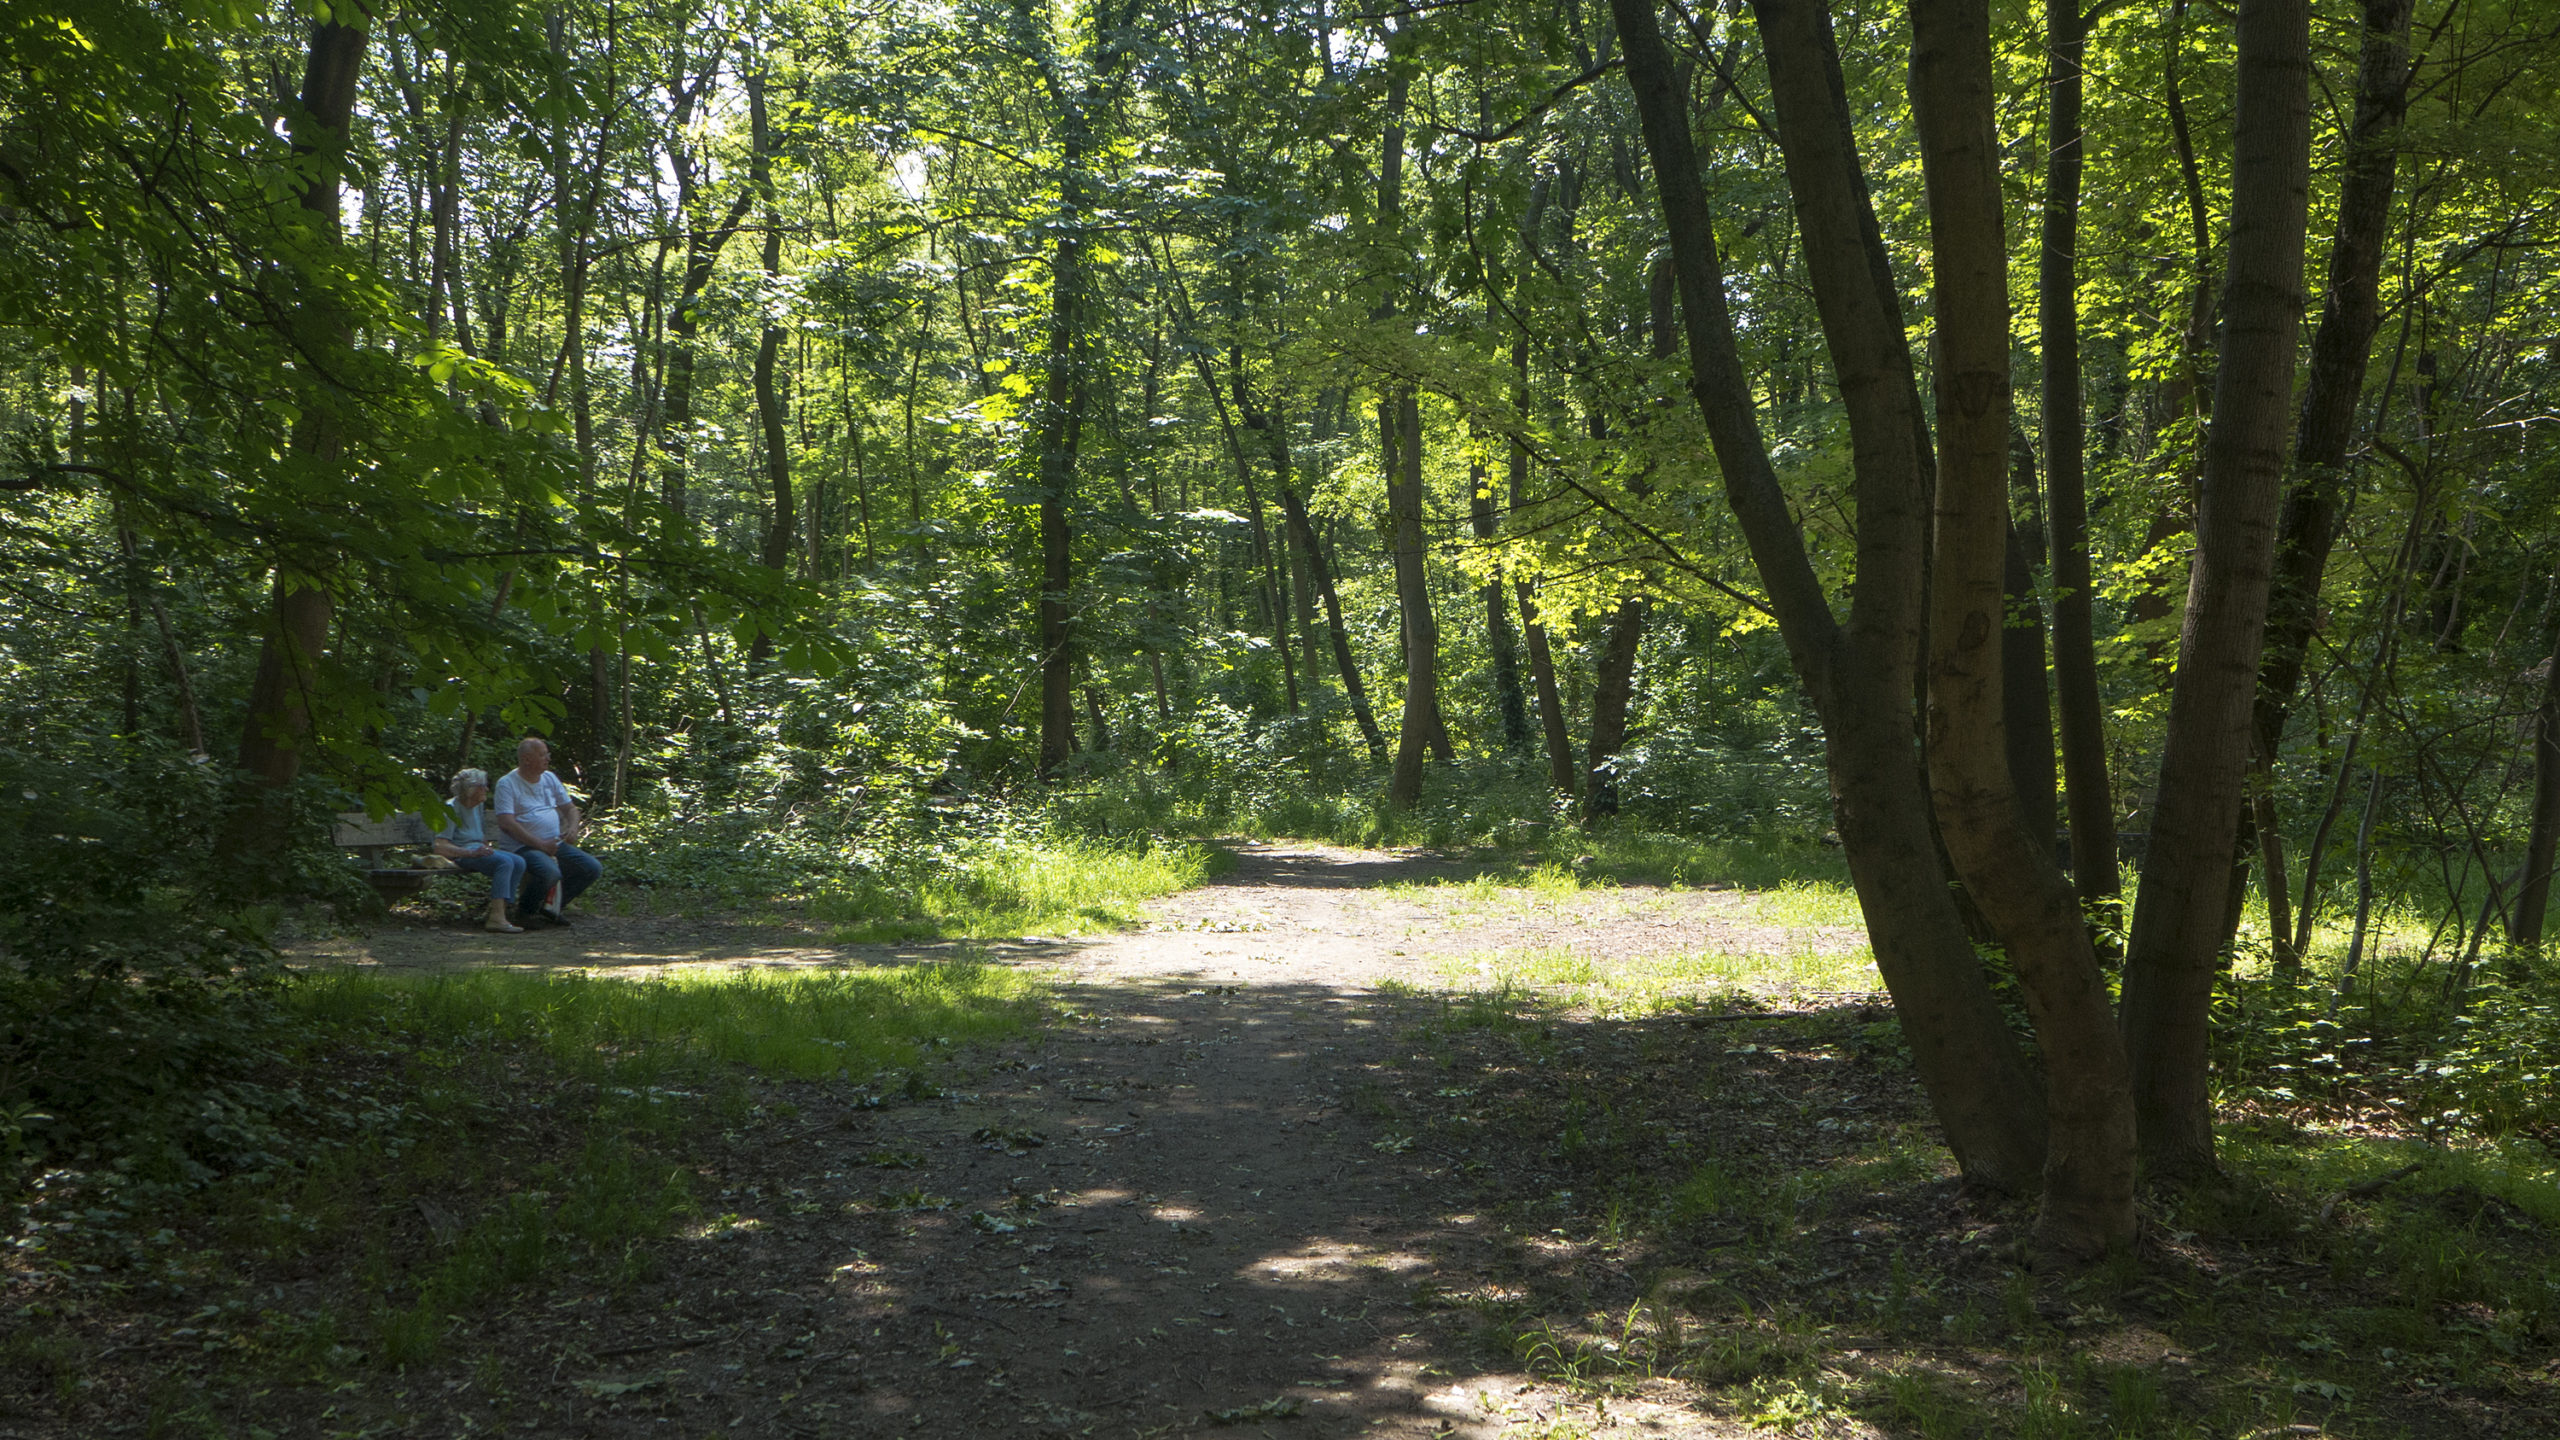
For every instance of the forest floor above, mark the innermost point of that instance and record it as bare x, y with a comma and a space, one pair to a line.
1354, 1143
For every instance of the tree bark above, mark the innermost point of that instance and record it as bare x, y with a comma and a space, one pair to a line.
2026, 709
2090, 798
2333, 377
1542, 664
1510, 706
1274, 428
1612, 690
1400, 436
771, 413
702, 249
2542, 841
1613, 677
2178, 912
1420, 730
2307, 528
279, 725
1859, 675
2010, 871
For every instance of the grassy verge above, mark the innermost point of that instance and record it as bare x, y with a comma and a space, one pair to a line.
426, 1149
1061, 886
1741, 1208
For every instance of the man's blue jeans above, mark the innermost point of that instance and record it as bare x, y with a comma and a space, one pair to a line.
504, 869
573, 870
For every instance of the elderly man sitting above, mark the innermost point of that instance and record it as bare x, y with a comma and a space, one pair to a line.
538, 821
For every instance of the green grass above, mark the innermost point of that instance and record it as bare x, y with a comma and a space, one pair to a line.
800, 1023
1056, 887
1811, 902
1648, 984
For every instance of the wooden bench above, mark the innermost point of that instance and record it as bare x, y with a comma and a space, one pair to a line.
373, 840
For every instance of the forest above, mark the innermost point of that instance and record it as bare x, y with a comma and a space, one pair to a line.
2055, 503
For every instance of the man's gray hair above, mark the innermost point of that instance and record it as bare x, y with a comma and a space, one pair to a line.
529, 742
463, 780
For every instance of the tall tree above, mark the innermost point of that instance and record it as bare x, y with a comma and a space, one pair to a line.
2178, 912
279, 722
1860, 675
2341, 346
772, 418
2088, 1173
1400, 437
2082, 713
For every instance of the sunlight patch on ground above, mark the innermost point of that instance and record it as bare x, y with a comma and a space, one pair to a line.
1645, 984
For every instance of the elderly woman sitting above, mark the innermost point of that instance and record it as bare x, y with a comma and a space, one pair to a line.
465, 841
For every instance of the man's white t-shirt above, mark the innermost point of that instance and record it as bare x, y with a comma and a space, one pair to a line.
536, 806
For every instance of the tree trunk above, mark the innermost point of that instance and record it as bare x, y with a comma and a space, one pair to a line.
1420, 729
2333, 383
2075, 654
1400, 439
1322, 573
279, 725
2542, 842
1509, 705
1613, 678
2333, 378
770, 411
1612, 688
1860, 676
2026, 709
1542, 663
2007, 867
2178, 913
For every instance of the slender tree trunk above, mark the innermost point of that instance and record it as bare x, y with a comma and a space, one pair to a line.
2026, 709
1400, 435
1612, 690
2075, 653
2542, 842
1509, 705
1613, 677
1322, 573
279, 725
2333, 383
1860, 675
771, 409
1420, 730
2333, 377
1562, 774
2008, 868
190, 719
2178, 912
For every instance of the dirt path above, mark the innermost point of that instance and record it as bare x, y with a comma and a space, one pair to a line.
1178, 1212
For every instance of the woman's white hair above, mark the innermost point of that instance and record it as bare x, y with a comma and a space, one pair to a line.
463, 780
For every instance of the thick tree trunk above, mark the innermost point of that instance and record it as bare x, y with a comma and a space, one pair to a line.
2090, 799
1860, 676
2178, 913
279, 725
2008, 868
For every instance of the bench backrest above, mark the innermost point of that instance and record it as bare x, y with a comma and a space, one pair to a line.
358, 831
